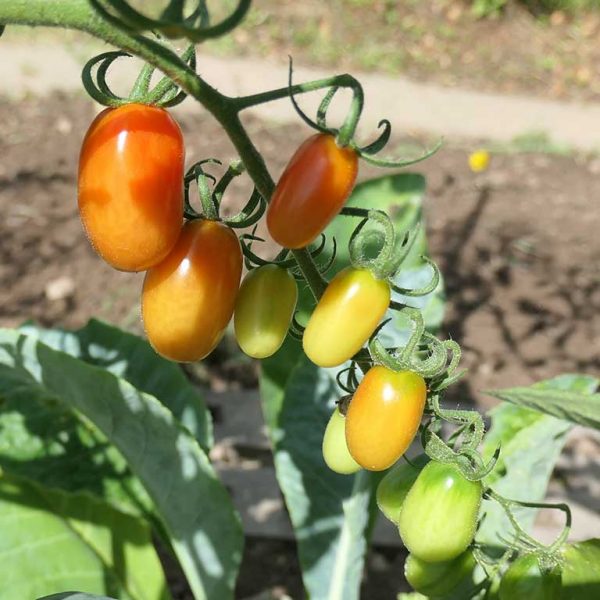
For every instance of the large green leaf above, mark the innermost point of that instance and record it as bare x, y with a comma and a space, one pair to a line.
571, 405
331, 513
54, 540
132, 358
48, 443
193, 505
531, 443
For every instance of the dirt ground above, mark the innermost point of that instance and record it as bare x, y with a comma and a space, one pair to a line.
518, 247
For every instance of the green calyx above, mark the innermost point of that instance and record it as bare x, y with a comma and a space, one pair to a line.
173, 22
211, 192
164, 94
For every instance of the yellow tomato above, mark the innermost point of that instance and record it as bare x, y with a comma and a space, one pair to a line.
345, 317
188, 298
384, 416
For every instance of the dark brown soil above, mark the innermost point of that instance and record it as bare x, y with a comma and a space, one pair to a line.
518, 246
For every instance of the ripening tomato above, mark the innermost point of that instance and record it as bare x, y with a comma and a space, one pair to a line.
581, 570
311, 191
335, 450
345, 317
439, 579
188, 298
384, 416
439, 515
130, 185
264, 309
525, 580
394, 487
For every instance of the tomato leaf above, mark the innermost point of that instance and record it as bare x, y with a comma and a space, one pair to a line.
571, 405
132, 358
195, 510
51, 539
330, 512
531, 443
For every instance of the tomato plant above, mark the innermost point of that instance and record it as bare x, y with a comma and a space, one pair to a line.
438, 579
130, 185
311, 191
264, 308
525, 580
394, 487
335, 450
384, 416
439, 514
189, 297
355, 297
127, 437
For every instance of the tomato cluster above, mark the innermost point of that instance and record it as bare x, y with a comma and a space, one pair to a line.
131, 202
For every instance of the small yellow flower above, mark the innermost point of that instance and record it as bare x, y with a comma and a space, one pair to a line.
479, 161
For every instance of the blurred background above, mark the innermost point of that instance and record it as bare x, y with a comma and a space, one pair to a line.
517, 244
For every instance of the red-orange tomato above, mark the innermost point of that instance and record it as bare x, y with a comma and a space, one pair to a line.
384, 416
131, 185
188, 298
311, 191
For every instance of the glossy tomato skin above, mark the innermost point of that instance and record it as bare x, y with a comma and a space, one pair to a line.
130, 185
581, 570
264, 309
439, 515
439, 579
383, 416
188, 298
524, 580
394, 487
349, 311
335, 451
312, 191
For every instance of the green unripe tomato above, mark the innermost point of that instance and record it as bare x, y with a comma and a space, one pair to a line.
335, 450
524, 580
264, 309
439, 515
394, 487
581, 571
439, 578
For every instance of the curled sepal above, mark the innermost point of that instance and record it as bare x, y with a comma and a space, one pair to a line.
313, 124
381, 141
376, 235
351, 383
93, 77
166, 93
426, 289
394, 163
522, 539
450, 375
324, 268
210, 209
250, 214
324, 106
253, 260
172, 23
469, 462
296, 330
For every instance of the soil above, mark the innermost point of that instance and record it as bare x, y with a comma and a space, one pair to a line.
518, 247
552, 55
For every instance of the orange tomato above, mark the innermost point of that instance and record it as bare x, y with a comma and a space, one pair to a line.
130, 185
188, 298
311, 191
384, 416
